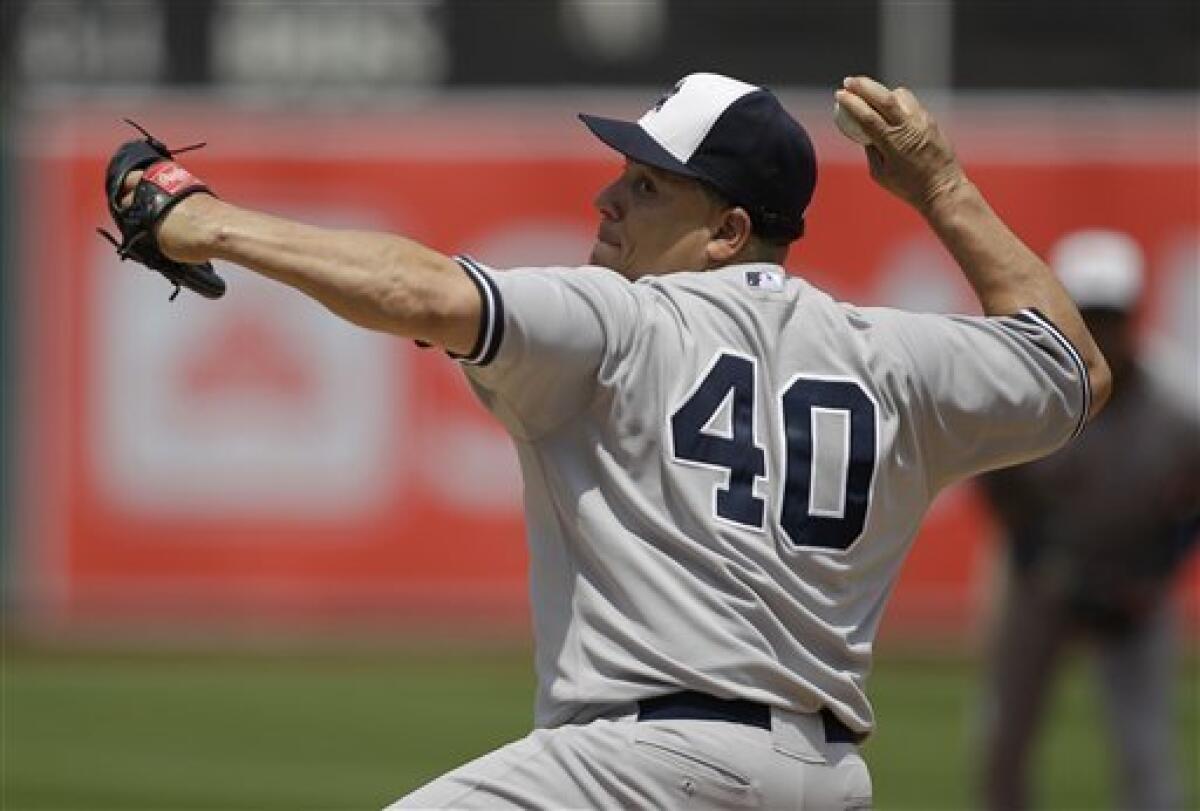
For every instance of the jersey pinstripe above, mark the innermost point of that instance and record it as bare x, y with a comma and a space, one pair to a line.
723, 471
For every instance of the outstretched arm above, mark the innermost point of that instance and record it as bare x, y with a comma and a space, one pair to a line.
378, 281
911, 158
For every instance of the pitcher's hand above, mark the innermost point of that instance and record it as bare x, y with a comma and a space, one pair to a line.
908, 154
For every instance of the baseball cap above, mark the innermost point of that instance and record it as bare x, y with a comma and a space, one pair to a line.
1100, 269
734, 136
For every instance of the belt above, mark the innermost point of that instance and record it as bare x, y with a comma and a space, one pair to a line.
692, 706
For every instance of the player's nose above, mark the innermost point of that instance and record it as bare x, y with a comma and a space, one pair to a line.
607, 201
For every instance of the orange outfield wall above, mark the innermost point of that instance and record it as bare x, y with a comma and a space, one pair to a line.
257, 460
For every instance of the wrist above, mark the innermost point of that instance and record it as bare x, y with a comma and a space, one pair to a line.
188, 233
944, 194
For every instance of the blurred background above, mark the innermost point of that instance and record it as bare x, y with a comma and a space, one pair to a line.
255, 558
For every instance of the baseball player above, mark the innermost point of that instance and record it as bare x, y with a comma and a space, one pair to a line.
723, 466
1096, 533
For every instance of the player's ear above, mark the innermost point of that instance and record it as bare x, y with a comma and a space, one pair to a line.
730, 235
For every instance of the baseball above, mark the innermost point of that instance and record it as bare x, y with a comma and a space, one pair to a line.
849, 127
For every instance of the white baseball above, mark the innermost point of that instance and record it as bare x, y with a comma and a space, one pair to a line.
849, 127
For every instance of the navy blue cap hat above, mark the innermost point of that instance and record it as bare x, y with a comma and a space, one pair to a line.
734, 136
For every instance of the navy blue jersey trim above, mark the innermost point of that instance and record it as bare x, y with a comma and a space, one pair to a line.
491, 316
1032, 315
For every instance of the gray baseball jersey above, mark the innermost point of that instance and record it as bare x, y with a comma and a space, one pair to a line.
724, 470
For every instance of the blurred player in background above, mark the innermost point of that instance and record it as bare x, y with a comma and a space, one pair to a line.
723, 467
1095, 533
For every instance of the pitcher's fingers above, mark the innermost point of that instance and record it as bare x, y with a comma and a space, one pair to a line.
907, 101
871, 122
127, 186
876, 95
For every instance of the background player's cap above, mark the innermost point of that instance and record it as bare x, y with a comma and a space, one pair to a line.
1100, 269
734, 136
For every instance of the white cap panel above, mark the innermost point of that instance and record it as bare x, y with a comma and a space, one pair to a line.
681, 121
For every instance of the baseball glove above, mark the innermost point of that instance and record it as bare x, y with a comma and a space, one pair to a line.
162, 185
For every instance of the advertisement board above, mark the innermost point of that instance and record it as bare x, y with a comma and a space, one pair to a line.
257, 458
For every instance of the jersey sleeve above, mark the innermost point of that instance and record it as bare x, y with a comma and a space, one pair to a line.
989, 392
549, 340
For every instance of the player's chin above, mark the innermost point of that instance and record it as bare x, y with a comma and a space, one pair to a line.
605, 255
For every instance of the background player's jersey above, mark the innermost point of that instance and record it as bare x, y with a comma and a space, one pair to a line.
724, 470
1138, 471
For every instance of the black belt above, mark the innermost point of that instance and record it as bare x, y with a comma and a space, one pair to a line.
692, 706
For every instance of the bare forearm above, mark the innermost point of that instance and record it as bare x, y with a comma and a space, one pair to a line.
1005, 274
378, 281
358, 275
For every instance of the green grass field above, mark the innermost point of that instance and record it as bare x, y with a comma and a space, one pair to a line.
192, 731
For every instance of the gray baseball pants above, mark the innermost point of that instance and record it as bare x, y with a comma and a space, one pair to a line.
621, 762
1135, 677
